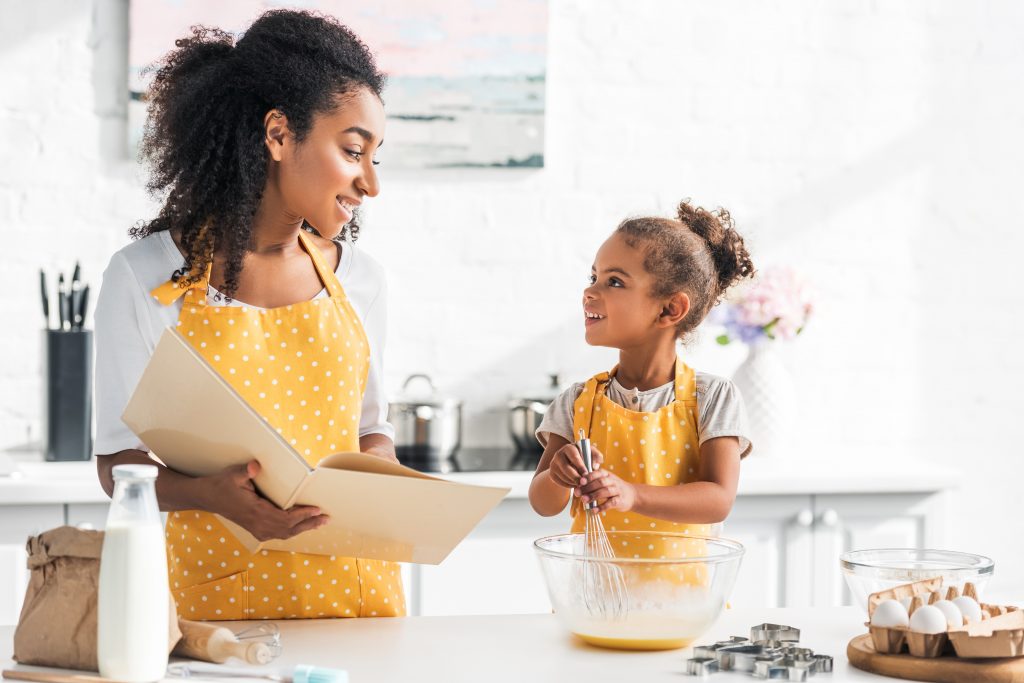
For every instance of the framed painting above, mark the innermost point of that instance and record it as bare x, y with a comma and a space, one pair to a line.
466, 80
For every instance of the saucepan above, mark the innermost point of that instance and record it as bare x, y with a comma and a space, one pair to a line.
428, 425
525, 414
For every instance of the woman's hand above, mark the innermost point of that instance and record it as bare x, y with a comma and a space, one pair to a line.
613, 492
232, 494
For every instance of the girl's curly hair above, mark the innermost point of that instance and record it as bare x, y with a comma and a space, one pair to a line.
699, 253
204, 134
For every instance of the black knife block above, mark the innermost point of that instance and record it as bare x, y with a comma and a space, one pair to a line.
67, 399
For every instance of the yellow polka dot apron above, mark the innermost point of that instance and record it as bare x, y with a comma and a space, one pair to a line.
657, 448
303, 368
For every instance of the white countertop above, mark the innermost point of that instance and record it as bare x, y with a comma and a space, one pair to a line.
37, 482
528, 648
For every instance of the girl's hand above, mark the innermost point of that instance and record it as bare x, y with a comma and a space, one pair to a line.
602, 485
567, 466
233, 495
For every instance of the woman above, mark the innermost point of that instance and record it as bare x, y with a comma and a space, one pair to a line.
254, 146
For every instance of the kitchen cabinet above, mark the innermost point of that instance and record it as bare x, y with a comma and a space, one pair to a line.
794, 542
847, 522
493, 571
794, 518
776, 532
87, 515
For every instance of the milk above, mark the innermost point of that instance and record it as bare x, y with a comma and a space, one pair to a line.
133, 610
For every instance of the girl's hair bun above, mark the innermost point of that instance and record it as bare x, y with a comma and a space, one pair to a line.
725, 245
700, 253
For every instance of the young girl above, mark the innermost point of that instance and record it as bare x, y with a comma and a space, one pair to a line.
666, 440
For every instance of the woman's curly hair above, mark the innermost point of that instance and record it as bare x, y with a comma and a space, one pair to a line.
204, 134
699, 253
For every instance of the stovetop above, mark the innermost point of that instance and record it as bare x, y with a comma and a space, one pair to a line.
477, 460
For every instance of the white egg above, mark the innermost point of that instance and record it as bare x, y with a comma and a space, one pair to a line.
890, 613
928, 619
906, 602
969, 607
954, 617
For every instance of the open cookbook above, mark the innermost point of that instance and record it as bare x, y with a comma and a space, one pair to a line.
196, 423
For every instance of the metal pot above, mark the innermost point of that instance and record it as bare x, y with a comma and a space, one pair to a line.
525, 415
427, 427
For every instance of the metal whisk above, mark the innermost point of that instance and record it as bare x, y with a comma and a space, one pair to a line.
604, 587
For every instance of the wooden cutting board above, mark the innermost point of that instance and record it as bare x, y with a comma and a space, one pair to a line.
862, 655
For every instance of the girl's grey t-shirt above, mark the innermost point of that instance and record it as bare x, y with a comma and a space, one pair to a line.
720, 410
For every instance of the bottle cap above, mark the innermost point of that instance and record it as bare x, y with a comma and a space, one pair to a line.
135, 472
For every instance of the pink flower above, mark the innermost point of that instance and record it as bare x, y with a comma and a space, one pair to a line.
778, 302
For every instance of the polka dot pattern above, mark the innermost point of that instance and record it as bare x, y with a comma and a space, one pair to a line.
657, 448
311, 392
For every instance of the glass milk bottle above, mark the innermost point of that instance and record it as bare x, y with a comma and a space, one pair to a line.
133, 605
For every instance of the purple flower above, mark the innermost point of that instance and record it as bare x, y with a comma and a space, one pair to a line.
776, 304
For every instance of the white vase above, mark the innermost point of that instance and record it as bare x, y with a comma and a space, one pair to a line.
770, 399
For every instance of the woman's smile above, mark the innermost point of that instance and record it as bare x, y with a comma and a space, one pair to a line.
347, 207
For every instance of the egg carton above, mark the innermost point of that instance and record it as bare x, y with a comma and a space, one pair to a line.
1000, 633
1000, 636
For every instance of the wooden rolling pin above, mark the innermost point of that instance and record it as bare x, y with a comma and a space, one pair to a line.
211, 643
198, 641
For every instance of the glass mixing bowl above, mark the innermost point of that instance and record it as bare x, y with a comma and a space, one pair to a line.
870, 571
675, 586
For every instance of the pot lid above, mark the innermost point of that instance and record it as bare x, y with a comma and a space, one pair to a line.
423, 393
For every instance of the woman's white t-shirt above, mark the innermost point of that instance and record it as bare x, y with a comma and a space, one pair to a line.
129, 322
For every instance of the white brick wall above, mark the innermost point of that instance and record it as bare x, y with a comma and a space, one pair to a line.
877, 146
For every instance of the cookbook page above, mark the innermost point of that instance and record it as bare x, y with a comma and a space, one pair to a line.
388, 514
364, 462
195, 423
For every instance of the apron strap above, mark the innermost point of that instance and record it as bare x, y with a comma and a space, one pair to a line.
685, 390
323, 270
171, 291
594, 389
686, 383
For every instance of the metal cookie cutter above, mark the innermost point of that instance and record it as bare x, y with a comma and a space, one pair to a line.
770, 653
741, 657
710, 651
774, 635
784, 668
701, 666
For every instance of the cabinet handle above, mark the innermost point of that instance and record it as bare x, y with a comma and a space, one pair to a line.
829, 517
805, 518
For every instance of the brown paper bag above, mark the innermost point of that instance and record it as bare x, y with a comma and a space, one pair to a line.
58, 624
